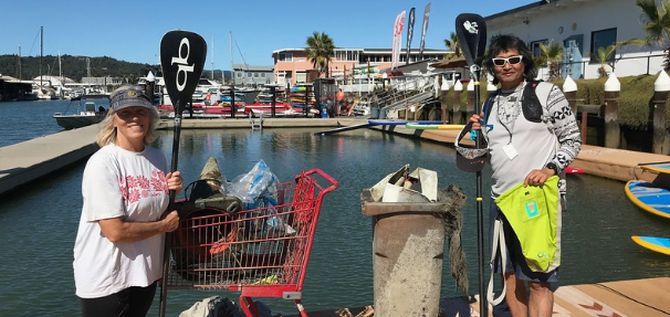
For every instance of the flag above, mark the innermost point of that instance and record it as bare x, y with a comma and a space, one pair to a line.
397, 35
424, 28
410, 32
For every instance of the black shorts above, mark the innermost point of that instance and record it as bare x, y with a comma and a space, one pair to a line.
131, 302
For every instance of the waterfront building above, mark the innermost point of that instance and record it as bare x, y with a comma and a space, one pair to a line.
292, 66
14, 89
582, 27
252, 76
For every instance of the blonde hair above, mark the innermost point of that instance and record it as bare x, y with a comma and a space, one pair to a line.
107, 133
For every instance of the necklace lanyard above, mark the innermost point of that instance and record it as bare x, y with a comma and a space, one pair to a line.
517, 103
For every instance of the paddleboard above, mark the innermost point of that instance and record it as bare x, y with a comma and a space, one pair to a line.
645, 195
387, 122
434, 126
657, 244
661, 168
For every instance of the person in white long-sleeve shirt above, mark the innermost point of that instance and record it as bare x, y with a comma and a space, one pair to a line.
525, 150
118, 251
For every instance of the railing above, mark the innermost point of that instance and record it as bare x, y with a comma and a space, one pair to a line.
623, 66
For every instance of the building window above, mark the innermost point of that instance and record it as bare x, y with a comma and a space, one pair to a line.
535, 47
602, 39
256, 75
285, 57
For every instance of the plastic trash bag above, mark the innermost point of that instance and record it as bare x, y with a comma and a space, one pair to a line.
257, 188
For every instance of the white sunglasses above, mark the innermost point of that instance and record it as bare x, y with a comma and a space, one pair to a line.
512, 60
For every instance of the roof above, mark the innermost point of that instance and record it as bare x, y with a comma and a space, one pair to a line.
452, 63
369, 50
535, 7
252, 68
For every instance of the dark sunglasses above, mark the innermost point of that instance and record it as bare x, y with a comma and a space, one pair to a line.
512, 60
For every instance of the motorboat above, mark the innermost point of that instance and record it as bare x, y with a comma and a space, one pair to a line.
88, 110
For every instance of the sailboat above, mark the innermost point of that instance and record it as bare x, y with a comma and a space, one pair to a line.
42, 92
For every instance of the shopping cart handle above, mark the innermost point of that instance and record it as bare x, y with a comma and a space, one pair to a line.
333, 183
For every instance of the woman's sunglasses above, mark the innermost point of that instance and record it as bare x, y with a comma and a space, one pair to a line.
512, 60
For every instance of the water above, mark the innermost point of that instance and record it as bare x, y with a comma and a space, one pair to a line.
38, 223
22, 121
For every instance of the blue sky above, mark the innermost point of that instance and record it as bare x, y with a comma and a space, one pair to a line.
131, 30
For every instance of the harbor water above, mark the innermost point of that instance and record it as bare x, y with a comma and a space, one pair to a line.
38, 222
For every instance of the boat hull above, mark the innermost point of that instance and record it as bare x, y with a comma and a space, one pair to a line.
68, 122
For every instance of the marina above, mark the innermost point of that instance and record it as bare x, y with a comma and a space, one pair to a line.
334, 175
344, 155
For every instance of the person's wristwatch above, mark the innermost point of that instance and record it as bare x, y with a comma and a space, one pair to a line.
552, 166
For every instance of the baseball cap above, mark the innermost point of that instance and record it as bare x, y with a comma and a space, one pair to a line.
469, 158
129, 96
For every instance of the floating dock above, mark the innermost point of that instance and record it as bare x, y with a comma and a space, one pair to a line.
629, 298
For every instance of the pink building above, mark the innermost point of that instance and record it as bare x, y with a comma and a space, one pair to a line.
291, 65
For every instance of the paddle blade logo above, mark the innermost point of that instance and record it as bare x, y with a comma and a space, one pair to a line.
471, 27
471, 32
182, 60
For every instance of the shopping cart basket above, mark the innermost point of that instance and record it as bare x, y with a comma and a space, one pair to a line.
261, 252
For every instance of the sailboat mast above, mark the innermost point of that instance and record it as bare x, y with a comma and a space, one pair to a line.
41, 52
60, 68
232, 63
18, 68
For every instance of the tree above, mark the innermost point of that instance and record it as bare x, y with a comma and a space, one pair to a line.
452, 44
320, 50
551, 55
605, 55
657, 24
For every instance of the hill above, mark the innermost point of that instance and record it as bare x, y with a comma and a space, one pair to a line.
74, 67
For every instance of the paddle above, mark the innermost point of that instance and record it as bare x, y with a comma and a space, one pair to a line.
471, 33
182, 59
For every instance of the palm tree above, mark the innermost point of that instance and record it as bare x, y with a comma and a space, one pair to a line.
452, 44
320, 50
551, 55
605, 55
657, 24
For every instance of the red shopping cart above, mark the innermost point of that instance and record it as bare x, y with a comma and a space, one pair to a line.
261, 252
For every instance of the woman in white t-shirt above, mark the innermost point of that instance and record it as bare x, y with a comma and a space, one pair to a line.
118, 251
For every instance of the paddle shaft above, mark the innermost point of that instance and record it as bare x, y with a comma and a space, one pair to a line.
471, 33
483, 307
167, 244
183, 56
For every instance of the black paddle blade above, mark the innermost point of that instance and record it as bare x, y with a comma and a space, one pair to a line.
182, 60
471, 33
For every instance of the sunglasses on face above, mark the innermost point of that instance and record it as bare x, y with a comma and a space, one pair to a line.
512, 60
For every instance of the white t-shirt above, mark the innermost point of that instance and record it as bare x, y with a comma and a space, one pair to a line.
119, 183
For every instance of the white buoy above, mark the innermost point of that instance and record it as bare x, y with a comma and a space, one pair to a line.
458, 86
612, 84
662, 83
445, 84
569, 85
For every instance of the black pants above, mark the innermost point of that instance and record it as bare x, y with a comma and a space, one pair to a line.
130, 302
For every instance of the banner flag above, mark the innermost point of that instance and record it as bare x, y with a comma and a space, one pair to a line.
397, 36
410, 33
424, 28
